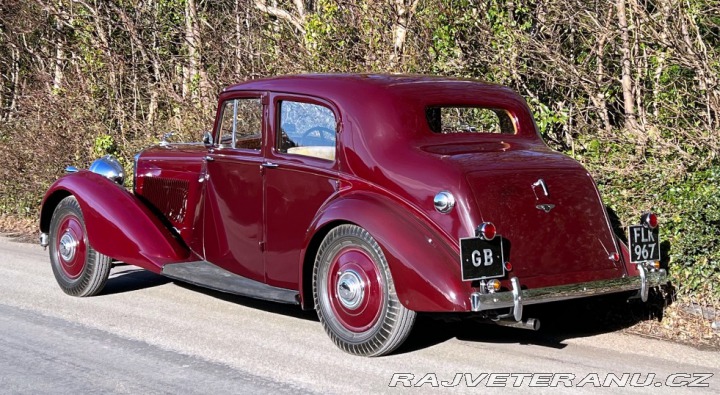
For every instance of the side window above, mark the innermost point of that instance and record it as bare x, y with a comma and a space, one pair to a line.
306, 129
225, 134
241, 124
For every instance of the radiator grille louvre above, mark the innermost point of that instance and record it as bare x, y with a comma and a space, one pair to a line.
168, 195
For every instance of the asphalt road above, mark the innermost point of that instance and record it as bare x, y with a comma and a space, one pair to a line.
146, 335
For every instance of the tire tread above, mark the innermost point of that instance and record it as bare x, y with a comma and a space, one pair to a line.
97, 267
395, 325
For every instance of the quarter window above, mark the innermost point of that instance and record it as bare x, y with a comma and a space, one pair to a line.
307, 129
241, 124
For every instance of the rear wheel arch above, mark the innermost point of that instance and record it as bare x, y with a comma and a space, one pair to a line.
419, 257
309, 262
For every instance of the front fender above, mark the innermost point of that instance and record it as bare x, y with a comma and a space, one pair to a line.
118, 224
424, 267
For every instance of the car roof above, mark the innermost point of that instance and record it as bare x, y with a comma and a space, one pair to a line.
381, 100
349, 84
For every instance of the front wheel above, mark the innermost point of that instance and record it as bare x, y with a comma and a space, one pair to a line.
355, 295
78, 268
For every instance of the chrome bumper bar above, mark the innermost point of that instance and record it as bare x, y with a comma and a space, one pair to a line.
518, 297
44, 240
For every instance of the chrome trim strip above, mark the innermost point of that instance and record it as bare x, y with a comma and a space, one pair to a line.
499, 300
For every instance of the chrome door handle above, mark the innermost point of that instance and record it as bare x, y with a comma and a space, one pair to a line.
209, 158
269, 165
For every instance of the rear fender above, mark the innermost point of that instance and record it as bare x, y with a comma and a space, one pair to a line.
117, 223
425, 269
630, 268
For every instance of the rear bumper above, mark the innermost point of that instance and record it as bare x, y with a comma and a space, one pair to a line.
518, 297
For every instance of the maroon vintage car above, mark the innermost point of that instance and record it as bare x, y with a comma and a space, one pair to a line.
368, 198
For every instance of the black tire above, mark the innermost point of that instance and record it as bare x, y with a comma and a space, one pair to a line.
355, 296
78, 268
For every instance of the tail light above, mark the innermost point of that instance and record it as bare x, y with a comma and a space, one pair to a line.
649, 220
487, 231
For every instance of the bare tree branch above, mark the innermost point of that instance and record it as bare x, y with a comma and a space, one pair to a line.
296, 21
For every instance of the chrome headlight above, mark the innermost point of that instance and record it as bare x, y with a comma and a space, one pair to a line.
110, 168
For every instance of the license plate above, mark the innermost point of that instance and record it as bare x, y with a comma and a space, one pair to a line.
481, 259
643, 243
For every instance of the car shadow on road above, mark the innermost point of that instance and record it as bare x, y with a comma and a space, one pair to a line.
291, 310
130, 278
559, 321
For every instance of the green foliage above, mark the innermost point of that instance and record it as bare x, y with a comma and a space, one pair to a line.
103, 145
687, 204
322, 35
447, 22
692, 228
547, 119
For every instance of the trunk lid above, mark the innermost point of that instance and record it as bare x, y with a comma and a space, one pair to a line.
551, 217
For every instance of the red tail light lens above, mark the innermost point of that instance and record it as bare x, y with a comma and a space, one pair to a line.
488, 231
649, 220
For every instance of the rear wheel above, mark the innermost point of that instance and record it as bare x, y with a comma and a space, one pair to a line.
355, 295
78, 268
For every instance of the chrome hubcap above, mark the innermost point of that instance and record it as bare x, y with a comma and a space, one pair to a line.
350, 289
68, 245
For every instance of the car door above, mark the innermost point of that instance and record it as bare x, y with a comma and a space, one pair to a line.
233, 204
301, 176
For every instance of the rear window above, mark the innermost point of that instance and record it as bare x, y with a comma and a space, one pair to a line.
452, 120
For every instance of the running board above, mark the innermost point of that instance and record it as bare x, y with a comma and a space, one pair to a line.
207, 275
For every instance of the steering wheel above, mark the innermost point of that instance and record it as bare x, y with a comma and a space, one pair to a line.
318, 135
